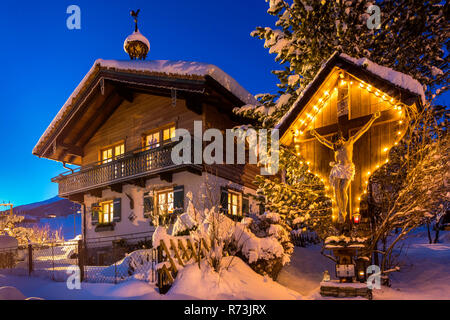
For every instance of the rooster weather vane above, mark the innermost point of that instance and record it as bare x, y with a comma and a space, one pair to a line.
135, 14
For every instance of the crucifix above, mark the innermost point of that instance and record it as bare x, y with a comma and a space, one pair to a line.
343, 169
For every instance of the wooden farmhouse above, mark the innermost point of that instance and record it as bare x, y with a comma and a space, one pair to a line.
117, 126
343, 96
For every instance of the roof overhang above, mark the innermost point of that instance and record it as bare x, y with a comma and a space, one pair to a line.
402, 95
103, 89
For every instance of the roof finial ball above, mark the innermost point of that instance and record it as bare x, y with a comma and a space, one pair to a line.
136, 45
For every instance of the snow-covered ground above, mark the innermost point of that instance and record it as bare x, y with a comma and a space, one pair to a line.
236, 281
425, 274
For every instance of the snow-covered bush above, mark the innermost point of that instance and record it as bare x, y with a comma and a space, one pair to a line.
136, 264
10, 225
264, 243
186, 222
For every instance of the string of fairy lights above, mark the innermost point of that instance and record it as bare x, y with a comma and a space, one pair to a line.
306, 123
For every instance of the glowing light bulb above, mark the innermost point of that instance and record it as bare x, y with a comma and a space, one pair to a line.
361, 85
365, 191
368, 173
400, 122
327, 93
399, 132
386, 161
385, 149
395, 143
369, 88
320, 100
308, 115
376, 93
359, 198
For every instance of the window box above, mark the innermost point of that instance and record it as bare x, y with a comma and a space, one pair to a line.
105, 227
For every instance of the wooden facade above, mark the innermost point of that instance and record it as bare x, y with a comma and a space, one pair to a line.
122, 106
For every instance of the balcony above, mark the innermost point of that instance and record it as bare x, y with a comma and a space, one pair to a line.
129, 166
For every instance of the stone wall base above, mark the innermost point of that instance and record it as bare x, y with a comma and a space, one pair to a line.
345, 290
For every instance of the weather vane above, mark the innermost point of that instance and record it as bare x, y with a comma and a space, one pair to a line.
135, 14
136, 45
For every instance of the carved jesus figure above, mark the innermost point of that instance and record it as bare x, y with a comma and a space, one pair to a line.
343, 169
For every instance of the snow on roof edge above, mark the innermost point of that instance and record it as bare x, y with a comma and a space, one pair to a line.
300, 96
395, 77
162, 66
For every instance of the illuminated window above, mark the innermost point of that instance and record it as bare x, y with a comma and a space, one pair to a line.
168, 133
107, 212
152, 140
234, 203
158, 136
164, 203
108, 154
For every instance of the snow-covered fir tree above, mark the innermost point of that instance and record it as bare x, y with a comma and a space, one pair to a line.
411, 39
299, 197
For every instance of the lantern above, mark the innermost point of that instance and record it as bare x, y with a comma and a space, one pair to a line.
356, 218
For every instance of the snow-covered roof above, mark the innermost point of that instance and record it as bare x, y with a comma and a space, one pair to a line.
160, 67
399, 79
396, 78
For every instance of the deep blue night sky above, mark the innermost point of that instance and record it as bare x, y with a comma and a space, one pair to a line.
42, 62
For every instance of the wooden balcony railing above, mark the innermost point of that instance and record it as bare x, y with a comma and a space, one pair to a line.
131, 165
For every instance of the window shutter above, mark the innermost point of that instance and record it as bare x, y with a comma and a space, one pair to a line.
178, 199
94, 214
117, 210
262, 208
149, 201
245, 205
224, 200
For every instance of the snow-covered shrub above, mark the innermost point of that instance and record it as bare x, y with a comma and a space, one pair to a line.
136, 264
185, 222
264, 243
217, 230
10, 225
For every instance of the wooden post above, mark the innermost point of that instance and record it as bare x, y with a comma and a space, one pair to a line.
81, 259
199, 252
115, 264
53, 261
30, 259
